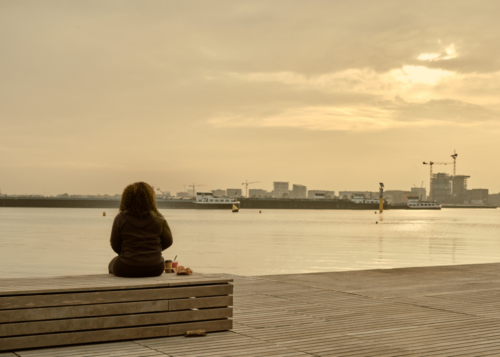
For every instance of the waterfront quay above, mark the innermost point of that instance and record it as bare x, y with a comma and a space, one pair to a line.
428, 311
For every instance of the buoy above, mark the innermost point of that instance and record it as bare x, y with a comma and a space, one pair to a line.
235, 209
376, 222
104, 214
260, 211
375, 212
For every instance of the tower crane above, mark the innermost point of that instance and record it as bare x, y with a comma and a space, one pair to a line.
194, 187
431, 163
454, 156
248, 183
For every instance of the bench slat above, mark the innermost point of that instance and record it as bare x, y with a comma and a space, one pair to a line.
85, 298
101, 282
66, 312
200, 303
100, 323
73, 338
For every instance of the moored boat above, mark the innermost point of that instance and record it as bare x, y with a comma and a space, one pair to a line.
207, 200
414, 202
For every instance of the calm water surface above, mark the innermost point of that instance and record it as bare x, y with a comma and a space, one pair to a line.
49, 242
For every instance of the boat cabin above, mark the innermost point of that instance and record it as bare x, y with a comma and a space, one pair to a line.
362, 199
414, 201
208, 197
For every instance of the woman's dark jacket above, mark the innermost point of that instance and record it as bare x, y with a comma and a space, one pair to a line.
139, 241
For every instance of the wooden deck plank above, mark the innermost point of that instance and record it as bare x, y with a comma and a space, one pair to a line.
411, 312
96, 349
61, 339
112, 349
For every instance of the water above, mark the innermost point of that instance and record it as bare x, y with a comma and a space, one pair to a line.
51, 242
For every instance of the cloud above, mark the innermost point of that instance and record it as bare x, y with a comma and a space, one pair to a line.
396, 113
443, 110
312, 118
376, 100
448, 53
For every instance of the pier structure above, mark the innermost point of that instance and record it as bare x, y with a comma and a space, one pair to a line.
426, 311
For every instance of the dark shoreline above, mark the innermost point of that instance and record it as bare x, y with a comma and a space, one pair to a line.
245, 203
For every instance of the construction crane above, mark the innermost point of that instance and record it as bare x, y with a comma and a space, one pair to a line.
248, 183
431, 163
420, 191
163, 193
194, 187
454, 156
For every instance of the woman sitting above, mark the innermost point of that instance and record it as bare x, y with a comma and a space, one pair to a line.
139, 234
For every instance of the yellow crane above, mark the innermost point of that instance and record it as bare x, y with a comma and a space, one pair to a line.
248, 183
431, 163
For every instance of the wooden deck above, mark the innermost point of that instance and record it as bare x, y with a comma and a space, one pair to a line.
434, 311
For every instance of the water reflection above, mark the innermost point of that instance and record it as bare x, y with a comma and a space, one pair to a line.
44, 242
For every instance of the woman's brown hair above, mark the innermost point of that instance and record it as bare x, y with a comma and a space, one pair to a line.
139, 199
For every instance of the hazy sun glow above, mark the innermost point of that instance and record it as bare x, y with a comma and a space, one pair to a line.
421, 74
428, 56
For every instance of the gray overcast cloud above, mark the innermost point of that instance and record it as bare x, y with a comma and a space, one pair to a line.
331, 94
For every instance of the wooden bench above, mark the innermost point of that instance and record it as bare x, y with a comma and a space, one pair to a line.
42, 312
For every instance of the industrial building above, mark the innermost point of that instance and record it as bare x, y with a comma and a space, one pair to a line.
494, 199
458, 189
219, 193
397, 196
299, 191
258, 192
441, 187
280, 189
234, 192
420, 192
311, 194
479, 196
453, 190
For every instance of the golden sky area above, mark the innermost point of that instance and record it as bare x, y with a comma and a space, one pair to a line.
337, 95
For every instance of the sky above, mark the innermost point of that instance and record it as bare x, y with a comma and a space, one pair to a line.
334, 95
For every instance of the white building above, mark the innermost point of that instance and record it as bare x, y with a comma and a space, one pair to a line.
234, 192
